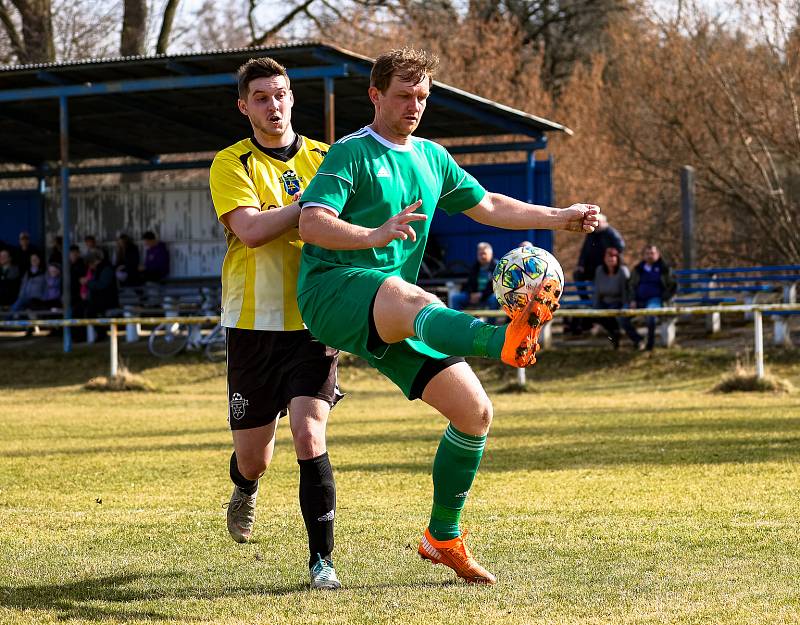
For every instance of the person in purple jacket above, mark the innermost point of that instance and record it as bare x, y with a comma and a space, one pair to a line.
156, 258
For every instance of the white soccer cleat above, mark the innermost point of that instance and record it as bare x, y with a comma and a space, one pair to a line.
323, 575
241, 514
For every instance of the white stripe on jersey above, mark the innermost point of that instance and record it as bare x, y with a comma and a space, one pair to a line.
354, 135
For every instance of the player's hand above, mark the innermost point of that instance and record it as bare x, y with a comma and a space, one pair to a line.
398, 227
581, 217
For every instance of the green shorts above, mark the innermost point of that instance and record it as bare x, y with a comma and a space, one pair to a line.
336, 306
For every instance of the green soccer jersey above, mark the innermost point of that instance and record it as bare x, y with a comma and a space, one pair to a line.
365, 179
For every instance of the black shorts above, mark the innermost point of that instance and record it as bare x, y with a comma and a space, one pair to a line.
267, 369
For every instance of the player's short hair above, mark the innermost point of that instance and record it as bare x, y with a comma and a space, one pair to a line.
263, 67
407, 64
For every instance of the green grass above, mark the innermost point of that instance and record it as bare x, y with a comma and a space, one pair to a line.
618, 490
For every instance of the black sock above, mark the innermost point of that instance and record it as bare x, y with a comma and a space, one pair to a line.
318, 505
248, 487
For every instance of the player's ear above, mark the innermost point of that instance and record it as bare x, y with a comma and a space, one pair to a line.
373, 94
291, 97
242, 106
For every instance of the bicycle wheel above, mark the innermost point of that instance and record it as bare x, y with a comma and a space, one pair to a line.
167, 339
215, 345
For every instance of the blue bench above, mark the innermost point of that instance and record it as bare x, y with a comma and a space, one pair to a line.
745, 284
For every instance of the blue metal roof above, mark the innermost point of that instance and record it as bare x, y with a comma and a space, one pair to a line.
149, 106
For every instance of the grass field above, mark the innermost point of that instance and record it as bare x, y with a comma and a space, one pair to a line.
619, 490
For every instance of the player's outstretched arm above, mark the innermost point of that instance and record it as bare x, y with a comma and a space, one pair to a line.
502, 211
321, 227
255, 227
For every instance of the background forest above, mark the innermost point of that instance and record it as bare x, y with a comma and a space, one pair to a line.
647, 87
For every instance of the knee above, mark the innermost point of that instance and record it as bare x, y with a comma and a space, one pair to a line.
420, 298
485, 414
252, 468
309, 441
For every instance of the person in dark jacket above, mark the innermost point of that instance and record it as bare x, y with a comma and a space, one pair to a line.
24, 251
9, 279
77, 269
652, 284
591, 257
126, 261
56, 251
101, 284
594, 248
478, 292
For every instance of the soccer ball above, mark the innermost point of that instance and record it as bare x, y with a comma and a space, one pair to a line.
520, 272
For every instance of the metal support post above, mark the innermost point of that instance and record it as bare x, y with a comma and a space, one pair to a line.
759, 343
687, 212
114, 350
330, 111
521, 379
66, 288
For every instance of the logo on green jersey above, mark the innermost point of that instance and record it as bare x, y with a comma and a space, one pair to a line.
291, 182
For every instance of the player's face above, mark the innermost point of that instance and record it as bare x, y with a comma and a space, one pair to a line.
269, 108
399, 109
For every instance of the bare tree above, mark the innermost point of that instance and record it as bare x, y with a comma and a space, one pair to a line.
33, 42
166, 26
724, 100
134, 28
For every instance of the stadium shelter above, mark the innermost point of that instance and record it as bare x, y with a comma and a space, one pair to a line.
143, 114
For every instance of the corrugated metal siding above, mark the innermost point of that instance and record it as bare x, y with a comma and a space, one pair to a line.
182, 217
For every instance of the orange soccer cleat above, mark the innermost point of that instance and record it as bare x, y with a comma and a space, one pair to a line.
454, 554
522, 334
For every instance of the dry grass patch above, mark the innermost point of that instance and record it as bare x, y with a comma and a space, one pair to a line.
125, 380
744, 380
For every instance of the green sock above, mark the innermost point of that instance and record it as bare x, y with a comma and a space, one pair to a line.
458, 334
454, 469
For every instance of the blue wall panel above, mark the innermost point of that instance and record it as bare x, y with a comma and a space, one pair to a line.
21, 210
458, 235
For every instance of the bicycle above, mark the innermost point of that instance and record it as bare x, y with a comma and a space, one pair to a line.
170, 338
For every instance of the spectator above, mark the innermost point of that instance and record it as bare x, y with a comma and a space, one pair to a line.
610, 293
590, 258
33, 284
77, 270
24, 252
52, 292
55, 255
594, 249
126, 261
651, 285
9, 279
101, 288
156, 258
478, 291
90, 242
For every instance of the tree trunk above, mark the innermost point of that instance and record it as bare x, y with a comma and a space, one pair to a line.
134, 28
166, 26
37, 31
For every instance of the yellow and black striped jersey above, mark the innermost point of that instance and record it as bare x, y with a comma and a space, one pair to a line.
259, 286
